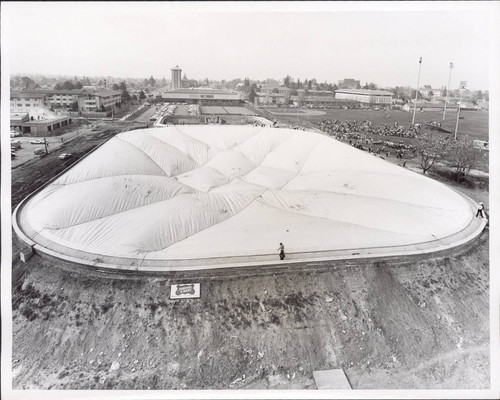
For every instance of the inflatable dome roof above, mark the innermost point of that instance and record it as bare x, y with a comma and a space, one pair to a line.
221, 192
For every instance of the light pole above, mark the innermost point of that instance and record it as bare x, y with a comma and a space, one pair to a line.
463, 85
447, 91
416, 91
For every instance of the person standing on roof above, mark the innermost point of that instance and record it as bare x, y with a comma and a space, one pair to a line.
281, 249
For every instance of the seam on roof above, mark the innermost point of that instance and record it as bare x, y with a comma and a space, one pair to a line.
371, 197
112, 176
201, 230
339, 221
199, 142
180, 152
146, 154
280, 169
124, 211
287, 211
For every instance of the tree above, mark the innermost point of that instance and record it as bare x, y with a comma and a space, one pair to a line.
152, 81
103, 109
74, 106
125, 96
66, 85
412, 96
372, 86
115, 87
123, 86
142, 96
431, 93
444, 92
251, 95
287, 81
462, 156
430, 146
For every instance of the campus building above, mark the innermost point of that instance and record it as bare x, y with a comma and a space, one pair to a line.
428, 106
63, 98
271, 99
37, 127
203, 96
366, 96
97, 101
323, 102
26, 101
176, 77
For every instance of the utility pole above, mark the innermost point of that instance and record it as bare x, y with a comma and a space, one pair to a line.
447, 91
463, 85
416, 92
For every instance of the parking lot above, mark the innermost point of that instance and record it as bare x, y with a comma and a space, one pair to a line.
26, 152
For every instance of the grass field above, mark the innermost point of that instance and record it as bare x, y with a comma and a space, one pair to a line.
474, 124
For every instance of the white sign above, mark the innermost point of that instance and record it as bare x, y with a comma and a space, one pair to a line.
185, 291
463, 84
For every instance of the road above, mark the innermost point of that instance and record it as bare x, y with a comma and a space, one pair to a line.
146, 115
26, 152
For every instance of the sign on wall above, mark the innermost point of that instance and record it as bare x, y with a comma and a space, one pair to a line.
185, 291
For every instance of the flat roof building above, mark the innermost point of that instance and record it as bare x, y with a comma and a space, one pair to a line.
380, 97
89, 102
26, 101
204, 96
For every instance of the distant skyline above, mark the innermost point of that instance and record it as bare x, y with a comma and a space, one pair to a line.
138, 40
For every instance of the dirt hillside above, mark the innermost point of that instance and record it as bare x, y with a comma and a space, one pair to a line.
422, 323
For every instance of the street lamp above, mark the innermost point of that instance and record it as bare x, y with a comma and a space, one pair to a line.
416, 91
447, 91
463, 85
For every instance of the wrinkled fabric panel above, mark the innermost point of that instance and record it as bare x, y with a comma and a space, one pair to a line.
259, 229
92, 200
113, 158
171, 160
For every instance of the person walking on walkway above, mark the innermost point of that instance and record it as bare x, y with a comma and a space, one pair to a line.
480, 210
281, 249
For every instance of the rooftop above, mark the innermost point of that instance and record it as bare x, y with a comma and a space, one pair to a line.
27, 94
200, 91
365, 91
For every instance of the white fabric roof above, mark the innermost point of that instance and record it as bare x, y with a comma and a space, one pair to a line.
185, 192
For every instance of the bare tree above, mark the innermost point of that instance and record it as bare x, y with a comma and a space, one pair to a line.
430, 146
463, 157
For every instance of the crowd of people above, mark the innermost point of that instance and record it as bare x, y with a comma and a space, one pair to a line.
342, 129
357, 135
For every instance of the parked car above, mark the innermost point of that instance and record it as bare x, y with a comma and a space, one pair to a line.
38, 151
16, 144
64, 156
38, 141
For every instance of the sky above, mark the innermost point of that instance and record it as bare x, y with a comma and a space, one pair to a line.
365, 41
